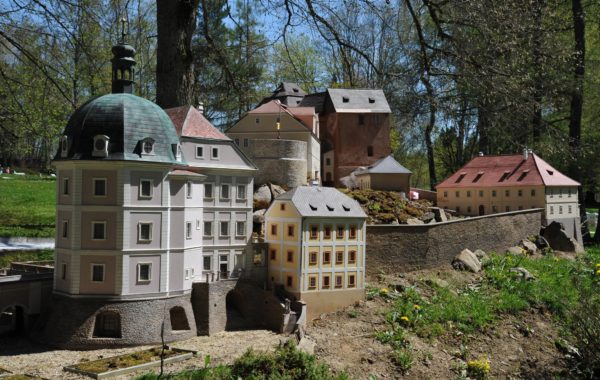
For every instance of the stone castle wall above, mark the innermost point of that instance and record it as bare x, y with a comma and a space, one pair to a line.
279, 161
402, 248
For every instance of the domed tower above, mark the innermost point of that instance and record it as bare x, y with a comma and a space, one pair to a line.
125, 260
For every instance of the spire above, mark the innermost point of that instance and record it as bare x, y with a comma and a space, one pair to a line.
122, 64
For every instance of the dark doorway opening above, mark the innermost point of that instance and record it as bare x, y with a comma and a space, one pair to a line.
179, 320
481, 210
12, 321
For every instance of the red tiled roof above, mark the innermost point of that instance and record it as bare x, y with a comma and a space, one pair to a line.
510, 170
189, 122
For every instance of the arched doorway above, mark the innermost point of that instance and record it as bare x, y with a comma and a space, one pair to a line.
12, 320
481, 210
179, 320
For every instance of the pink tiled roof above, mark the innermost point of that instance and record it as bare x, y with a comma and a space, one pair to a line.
189, 122
509, 170
183, 172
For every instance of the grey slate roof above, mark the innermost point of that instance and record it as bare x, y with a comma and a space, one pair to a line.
316, 100
363, 101
386, 165
288, 89
316, 201
126, 119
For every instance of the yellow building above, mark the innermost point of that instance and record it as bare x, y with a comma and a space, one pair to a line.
316, 238
493, 184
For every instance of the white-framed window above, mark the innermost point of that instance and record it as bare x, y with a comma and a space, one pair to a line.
65, 188
214, 153
237, 142
224, 228
206, 262
100, 146
241, 192
570, 209
188, 189
145, 231
257, 120
148, 146
240, 228
63, 271
188, 230
98, 230
199, 151
144, 272
208, 190
146, 187
198, 224
560, 209
99, 187
208, 228
65, 229
551, 210
224, 191
64, 146
97, 272
246, 143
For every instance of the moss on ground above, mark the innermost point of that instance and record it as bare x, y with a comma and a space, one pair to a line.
125, 361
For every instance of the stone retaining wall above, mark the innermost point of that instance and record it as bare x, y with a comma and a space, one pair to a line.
401, 248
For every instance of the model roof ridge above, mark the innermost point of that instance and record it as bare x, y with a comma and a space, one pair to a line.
387, 164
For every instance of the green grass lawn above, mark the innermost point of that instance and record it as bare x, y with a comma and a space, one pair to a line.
27, 206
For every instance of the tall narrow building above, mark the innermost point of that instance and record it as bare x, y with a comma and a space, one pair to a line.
125, 261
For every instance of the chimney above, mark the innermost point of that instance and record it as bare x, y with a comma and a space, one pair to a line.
201, 107
480, 154
525, 154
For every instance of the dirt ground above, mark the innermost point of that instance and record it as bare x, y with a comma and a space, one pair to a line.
517, 347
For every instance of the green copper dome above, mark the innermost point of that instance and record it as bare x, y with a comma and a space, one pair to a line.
131, 128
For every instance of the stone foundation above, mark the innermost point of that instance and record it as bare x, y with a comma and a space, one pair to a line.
72, 323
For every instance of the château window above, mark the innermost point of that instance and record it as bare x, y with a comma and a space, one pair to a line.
370, 151
208, 228
188, 230
481, 193
339, 281
99, 187
145, 232
289, 281
326, 257
63, 271
97, 272
290, 256
352, 232
245, 143
314, 232
507, 208
240, 229
65, 188
188, 189
282, 207
273, 254
224, 191
290, 231
208, 190
312, 258
199, 151
339, 257
351, 281
468, 194
507, 193
520, 193
352, 257
312, 282
326, 282
224, 228
340, 232
493, 193
274, 229
98, 230
65, 229
146, 186
327, 232
144, 272
241, 192
533, 192
206, 261
214, 153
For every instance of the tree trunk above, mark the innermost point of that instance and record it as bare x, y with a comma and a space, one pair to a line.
176, 23
577, 105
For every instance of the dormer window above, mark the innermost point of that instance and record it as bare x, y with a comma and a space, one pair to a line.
148, 146
64, 146
100, 146
345, 99
371, 100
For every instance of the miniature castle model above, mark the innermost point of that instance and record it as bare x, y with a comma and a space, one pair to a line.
316, 238
145, 208
282, 141
344, 129
492, 184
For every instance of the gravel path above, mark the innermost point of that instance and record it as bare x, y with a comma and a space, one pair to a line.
19, 355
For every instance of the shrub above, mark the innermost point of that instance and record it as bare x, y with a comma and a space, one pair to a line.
403, 359
478, 369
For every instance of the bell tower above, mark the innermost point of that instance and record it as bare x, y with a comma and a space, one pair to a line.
122, 64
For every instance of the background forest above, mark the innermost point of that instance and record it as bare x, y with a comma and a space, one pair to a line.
461, 76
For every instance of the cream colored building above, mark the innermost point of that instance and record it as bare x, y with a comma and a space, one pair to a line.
385, 174
317, 240
493, 184
295, 123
